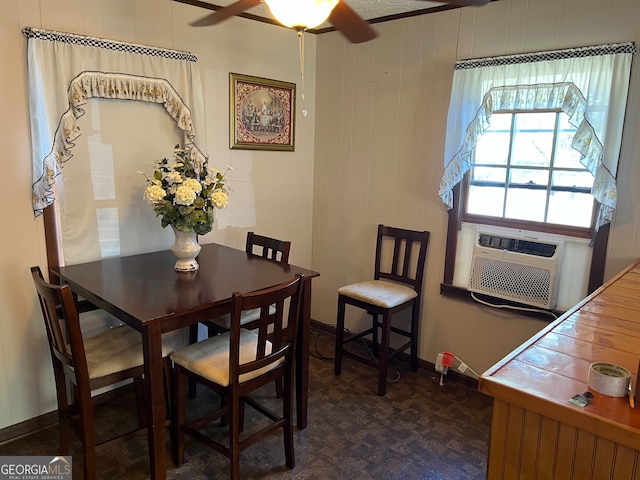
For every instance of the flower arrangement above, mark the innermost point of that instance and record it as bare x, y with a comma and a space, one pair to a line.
184, 192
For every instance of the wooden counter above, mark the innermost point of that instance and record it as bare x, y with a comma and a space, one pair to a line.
536, 432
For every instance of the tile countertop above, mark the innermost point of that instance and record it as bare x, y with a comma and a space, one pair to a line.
539, 377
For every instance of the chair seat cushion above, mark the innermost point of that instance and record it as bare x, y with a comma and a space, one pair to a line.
210, 358
247, 316
116, 350
379, 292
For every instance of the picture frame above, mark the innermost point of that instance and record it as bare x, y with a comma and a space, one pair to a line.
262, 113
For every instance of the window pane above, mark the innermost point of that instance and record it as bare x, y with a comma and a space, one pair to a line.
525, 204
526, 176
533, 139
525, 169
493, 146
569, 208
485, 201
488, 174
561, 178
566, 156
500, 121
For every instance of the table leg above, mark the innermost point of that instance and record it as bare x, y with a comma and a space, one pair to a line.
193, 338
154, 382
302, 357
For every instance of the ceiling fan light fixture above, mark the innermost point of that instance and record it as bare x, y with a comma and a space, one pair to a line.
301, 13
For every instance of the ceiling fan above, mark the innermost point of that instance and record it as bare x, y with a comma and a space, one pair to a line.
314, 12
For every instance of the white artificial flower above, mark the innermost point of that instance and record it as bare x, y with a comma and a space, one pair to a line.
193, 184
154, 193
220, 198
185, 195
174, 177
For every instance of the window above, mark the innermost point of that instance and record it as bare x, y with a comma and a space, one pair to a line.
532, 145
525, 169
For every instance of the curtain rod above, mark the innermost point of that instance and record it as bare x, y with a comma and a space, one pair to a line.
610, 49
83, 40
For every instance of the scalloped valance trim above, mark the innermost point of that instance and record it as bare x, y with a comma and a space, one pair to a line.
107, 85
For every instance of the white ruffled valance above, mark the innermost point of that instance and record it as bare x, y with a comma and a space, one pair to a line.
65, 70
588, 84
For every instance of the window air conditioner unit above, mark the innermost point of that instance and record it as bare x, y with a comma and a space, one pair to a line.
517, 267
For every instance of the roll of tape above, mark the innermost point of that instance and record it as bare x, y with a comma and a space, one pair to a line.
609, 379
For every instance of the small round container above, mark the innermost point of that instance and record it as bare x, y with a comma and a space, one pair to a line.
609, 379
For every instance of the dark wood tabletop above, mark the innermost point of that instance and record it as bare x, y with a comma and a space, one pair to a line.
145, 292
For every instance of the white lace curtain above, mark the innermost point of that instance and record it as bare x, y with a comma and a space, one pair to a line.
65, 70
590, 84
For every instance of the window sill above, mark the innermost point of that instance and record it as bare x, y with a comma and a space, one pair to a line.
462, 294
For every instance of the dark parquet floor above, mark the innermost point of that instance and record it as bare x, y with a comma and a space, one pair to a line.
419, 430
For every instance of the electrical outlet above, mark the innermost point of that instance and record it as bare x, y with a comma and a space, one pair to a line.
463, 367
440, 367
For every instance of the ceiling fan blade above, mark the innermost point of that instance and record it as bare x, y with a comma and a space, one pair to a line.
225, 12
350, 24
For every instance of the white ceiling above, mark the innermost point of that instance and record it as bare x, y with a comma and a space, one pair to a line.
372, 10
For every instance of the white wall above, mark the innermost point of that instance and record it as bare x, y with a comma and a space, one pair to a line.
380, 129
272, 190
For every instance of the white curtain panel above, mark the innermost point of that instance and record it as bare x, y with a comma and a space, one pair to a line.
590, 84
65, 70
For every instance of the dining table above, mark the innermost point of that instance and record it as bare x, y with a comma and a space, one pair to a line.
146, 293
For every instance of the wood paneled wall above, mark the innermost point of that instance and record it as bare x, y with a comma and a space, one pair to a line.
380, 132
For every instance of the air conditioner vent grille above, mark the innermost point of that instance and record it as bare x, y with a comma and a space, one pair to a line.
512, 281
517, 245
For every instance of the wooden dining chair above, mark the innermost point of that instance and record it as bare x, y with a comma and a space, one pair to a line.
237, 363
268, 248
397, 285
89, 363
258, 246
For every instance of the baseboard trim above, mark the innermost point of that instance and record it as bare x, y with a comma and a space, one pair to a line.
46, 420
13, 432
422, 364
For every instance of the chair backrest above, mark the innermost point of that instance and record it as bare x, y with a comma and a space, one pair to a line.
270, 328
62, 324
267, 247
408, 254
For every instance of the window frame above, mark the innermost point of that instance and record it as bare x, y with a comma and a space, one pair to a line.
482, 86
600, 242
458, 215
545, 227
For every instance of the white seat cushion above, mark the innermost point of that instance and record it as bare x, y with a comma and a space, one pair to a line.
247, 316
115, 350
210, 358
379, 292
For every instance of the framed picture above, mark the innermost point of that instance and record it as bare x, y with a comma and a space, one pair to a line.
262, 113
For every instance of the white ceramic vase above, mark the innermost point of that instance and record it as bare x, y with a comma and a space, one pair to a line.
186, 248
